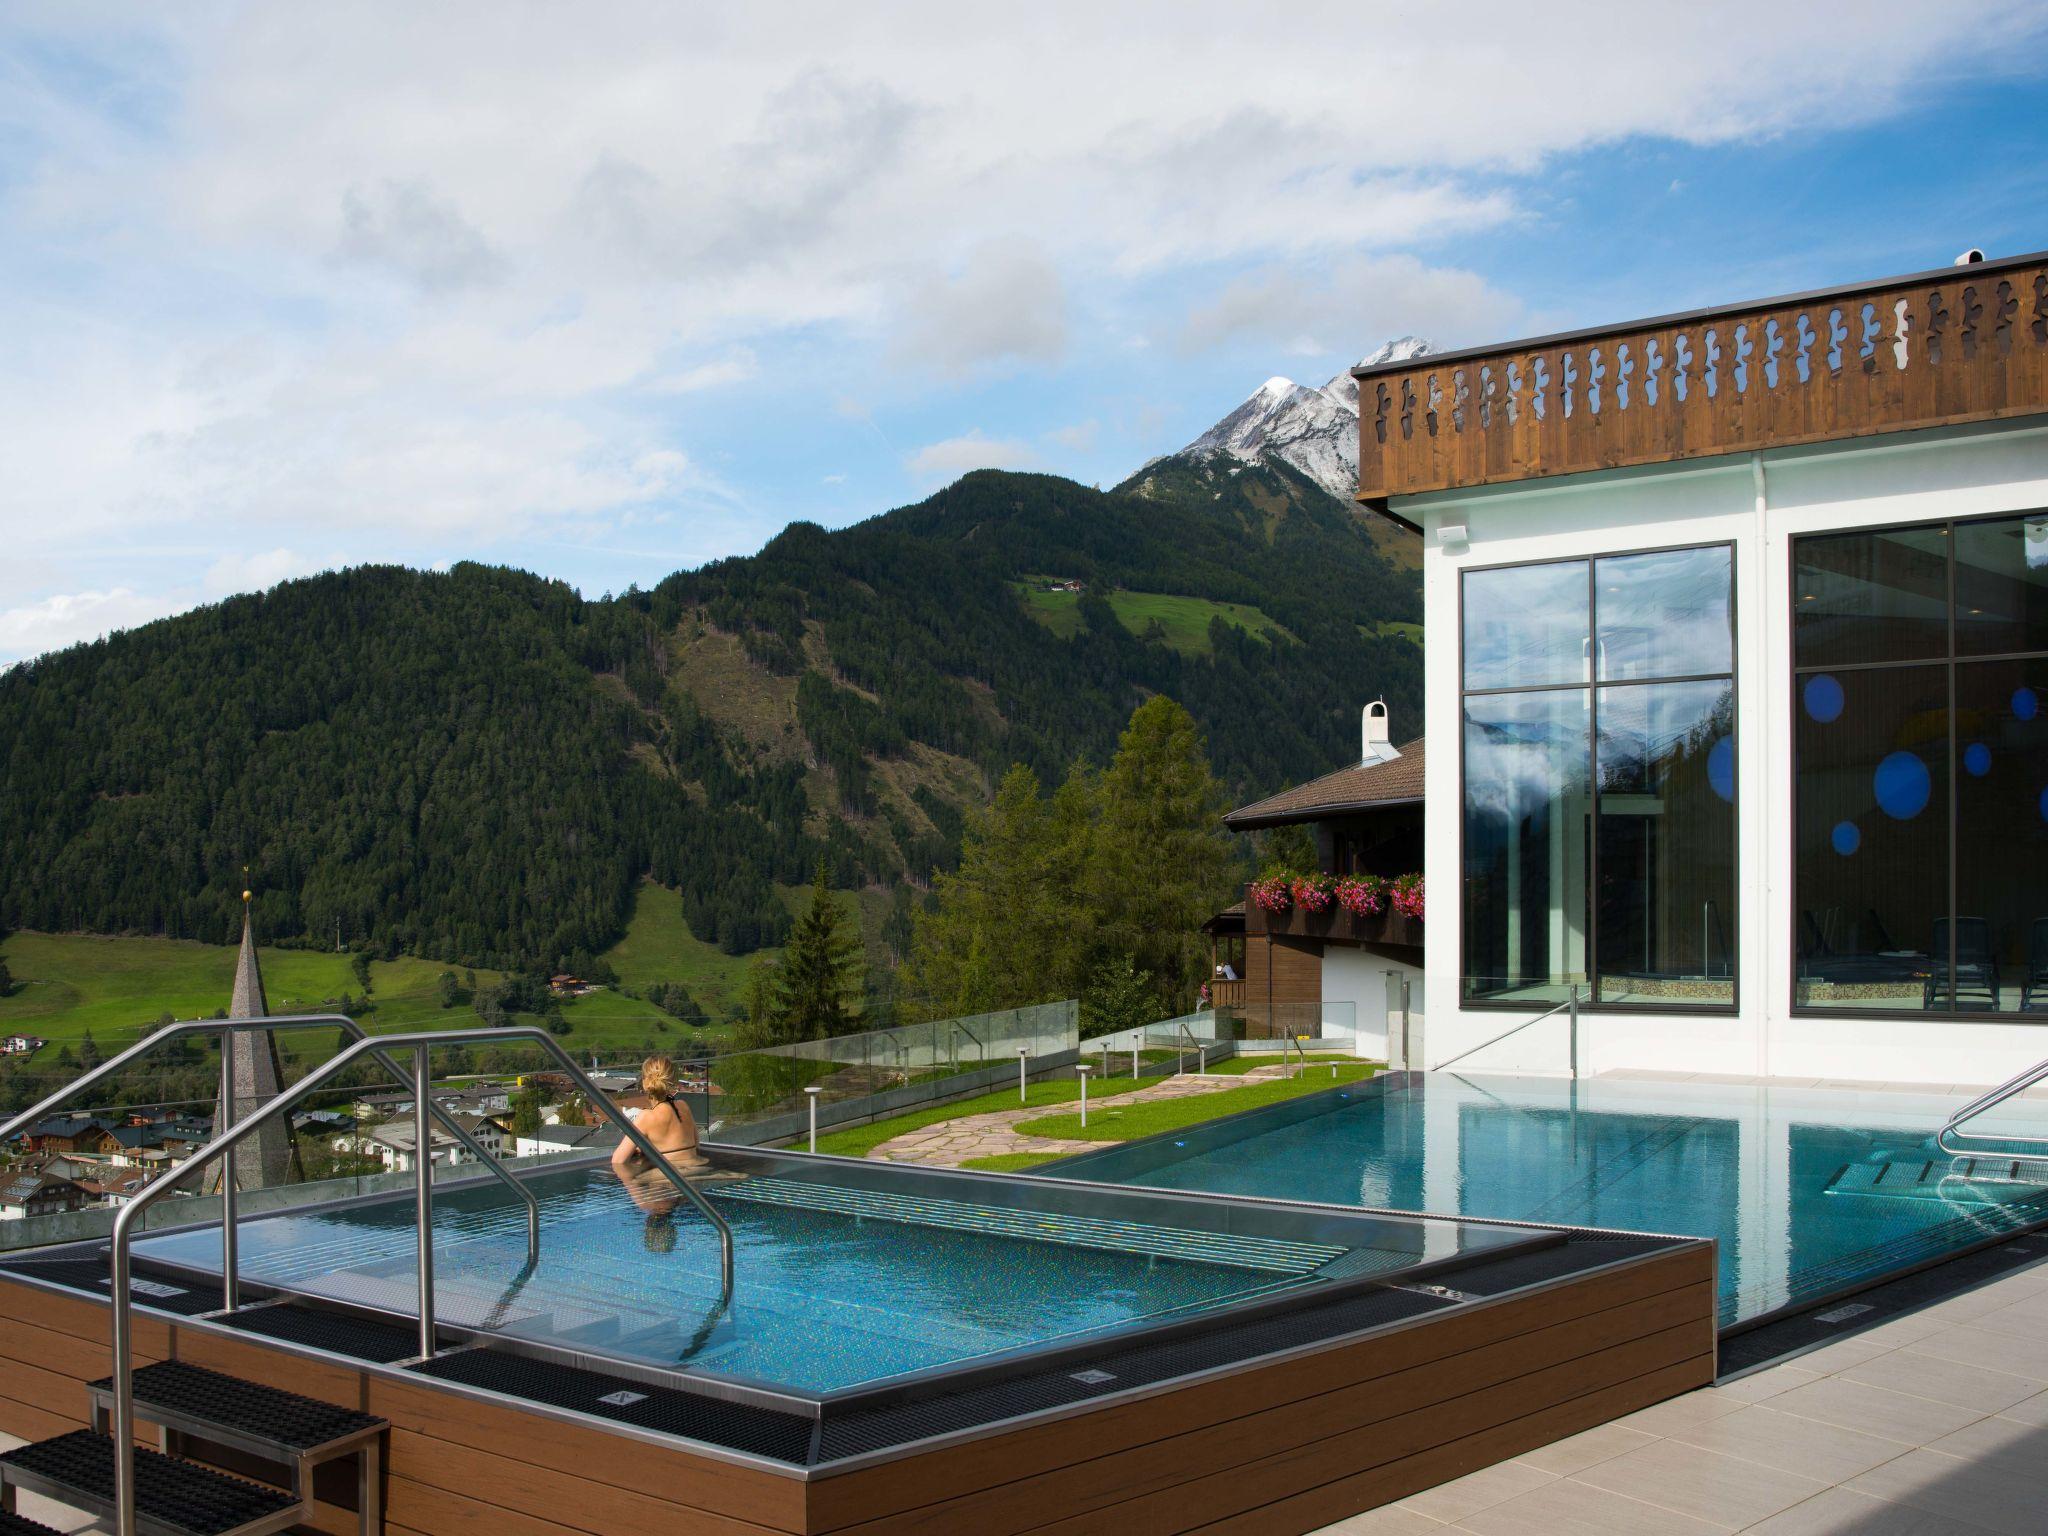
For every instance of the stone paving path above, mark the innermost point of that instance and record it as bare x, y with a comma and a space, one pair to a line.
949, 1143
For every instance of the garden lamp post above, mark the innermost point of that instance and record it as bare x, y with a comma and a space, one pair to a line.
812, 1093
1022, 1052
1083, 1068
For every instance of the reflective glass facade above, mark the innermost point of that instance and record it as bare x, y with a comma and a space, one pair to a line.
1599, 780
1921, 768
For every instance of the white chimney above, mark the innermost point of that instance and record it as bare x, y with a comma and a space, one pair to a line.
1376, 745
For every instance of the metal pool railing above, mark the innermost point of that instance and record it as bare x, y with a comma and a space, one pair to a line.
224, 1116
224, 1142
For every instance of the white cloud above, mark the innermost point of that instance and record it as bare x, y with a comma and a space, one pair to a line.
407, 227
1081, 436
955, 456
735, 368
389, 278
1004, 305
69, 618
832, 479
1350, 307
254, 573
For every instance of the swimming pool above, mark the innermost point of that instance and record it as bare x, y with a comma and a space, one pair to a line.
1808, 1191
848, 1276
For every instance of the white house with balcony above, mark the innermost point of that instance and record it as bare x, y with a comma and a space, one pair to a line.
1737, 683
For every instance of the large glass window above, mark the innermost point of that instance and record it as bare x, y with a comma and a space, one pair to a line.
1921, 770
1599, 780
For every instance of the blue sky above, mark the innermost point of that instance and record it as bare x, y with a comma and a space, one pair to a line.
607, 291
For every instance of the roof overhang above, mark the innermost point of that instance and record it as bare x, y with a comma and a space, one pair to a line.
1247, 821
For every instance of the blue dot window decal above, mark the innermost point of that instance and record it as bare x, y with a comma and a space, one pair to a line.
1847, 839
1977, 759
1823, 697
2025, 703
1902, 786
1721, 768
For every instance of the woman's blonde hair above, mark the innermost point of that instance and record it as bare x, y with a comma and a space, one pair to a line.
658, 1077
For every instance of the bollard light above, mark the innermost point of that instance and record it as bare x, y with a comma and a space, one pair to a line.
813, 1091
1083, 1068
1022, 1052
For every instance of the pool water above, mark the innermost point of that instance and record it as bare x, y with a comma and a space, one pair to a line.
1808, 1190
874, 1285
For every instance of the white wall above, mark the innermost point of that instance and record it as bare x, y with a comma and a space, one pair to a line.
1758, 503
1359, 977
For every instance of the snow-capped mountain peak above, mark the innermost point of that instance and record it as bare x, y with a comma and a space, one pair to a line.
1399, 350
1312, 430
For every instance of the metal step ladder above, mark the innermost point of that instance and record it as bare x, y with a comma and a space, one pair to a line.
144, 1492
1943, 1179
176, 1496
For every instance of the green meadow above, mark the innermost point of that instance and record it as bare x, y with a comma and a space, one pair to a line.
1183, 620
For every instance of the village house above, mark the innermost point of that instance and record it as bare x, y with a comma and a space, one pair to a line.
38, 1194
1349, 969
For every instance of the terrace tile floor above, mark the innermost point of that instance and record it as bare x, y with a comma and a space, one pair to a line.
1933, 1424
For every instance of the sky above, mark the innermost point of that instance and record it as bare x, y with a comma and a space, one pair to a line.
608, 290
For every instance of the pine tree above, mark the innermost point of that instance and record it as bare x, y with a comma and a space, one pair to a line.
818, 978
1161, 859
526, 1112
1119, 996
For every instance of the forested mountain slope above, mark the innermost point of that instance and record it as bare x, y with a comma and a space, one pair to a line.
480, 765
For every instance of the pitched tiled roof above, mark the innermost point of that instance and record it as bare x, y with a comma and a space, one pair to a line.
1360, 787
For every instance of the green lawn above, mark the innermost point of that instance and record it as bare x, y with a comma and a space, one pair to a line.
659, 946
67, 984
860, 1140
1399, 629
1011, 1162
1129, 1122
1185, 620
1237, 1066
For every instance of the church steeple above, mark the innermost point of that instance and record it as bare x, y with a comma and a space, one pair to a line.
270, 1156
248, 1001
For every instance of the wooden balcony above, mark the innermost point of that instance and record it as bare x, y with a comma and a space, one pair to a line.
1959, 344
1226, 994
1332, 925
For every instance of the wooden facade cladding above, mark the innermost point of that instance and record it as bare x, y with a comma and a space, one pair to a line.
1956, 345
1285, 1444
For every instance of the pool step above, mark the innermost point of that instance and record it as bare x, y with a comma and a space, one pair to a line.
1968, 1179
264, 1421
172, 1497
1231, 1250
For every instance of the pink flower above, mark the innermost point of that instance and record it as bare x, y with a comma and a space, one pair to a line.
1271, 893
1362, 895
1312, 893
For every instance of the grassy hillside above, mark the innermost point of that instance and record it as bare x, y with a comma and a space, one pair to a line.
1183, 621
117, 988
481, 768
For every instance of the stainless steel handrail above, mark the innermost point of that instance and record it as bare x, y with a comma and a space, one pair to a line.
2011, 1088
1571, 1001
1201, 1059
225, 1141
227, 1029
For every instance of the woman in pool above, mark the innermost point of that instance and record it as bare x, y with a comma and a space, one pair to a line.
667, 1124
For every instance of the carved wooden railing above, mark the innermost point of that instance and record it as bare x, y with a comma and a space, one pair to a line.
1956, 345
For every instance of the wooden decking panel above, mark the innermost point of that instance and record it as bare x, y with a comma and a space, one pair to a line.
1286, 1445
